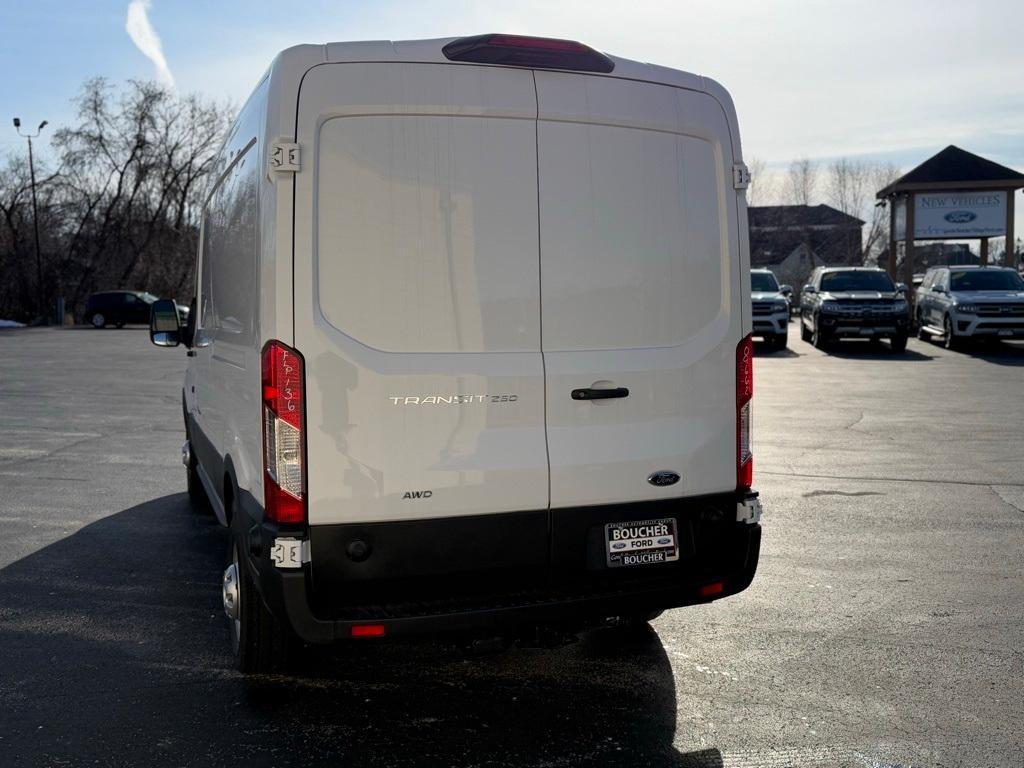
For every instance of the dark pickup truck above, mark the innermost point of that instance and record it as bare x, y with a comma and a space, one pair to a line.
853, 302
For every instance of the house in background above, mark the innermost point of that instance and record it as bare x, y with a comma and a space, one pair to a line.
792, 240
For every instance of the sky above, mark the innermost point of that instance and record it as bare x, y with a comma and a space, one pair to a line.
895, 81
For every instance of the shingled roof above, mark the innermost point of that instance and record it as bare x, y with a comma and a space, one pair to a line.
955, 168
794, 216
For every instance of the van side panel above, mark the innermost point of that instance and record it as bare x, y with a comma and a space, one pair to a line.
226, 406
417, 292
640, 271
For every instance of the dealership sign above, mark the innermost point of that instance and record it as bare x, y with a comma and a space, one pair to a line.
955, 215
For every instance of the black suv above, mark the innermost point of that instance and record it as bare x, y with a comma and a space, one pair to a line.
119, 308
853, 302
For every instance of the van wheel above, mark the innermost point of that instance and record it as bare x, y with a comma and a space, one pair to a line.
805, 333
98, 320
950, 341
196, 492
781, 341
260, 642
898, 343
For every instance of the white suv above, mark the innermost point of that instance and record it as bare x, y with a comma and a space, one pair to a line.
770, 306
967, 302
471, 349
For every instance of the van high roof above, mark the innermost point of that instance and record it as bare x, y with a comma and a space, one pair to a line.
291, 65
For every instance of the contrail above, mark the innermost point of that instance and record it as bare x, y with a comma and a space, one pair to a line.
146, 39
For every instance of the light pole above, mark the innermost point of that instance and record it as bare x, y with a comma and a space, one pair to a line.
35, 209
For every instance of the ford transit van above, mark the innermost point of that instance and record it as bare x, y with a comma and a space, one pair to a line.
470, 350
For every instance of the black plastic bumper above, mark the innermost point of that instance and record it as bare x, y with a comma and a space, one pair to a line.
517, 570
882, 326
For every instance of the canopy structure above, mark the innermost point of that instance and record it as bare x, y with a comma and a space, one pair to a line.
954, 195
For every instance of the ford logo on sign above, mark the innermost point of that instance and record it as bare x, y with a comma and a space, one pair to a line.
663, 478
960, 217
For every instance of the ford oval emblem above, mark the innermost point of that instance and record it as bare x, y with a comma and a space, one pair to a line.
663, 478
960, 217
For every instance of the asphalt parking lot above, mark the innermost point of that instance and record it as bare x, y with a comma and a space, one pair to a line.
884, 627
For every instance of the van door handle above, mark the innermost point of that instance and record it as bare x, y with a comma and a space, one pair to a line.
599, 394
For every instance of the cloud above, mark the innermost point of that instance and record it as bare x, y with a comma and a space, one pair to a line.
146, 39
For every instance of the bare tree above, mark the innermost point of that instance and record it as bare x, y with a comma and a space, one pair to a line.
801, 182
122, 210
877, 217
850, 187
761, 189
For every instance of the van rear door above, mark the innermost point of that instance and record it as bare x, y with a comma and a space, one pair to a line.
641, 288
417, 296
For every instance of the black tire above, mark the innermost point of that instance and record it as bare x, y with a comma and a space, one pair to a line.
196, 492
628, 631
898, 343
950, 340
781, 341
262, 644
98, 320
819, 339
805, 335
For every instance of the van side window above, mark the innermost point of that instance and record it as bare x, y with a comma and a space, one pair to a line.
206, 321
229, 252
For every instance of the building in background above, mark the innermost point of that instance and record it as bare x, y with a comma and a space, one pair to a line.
791, 240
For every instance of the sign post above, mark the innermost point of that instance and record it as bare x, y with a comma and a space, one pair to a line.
954, 195
908, 256
1011, 252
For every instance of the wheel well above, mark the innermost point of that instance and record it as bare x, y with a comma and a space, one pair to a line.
230, 489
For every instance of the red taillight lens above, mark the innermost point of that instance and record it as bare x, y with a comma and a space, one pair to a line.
284, 443
744, 394
523, 51
710, 590
368, 630
538, 43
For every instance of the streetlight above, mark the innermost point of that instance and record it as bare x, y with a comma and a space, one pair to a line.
35, 210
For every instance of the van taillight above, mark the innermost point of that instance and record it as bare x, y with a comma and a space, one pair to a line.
523, 51
744, 394
284, 444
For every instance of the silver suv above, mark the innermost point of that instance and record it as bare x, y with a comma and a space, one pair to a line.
966, 302
770, 303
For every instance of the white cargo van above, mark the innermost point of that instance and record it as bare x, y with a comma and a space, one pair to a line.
470, 350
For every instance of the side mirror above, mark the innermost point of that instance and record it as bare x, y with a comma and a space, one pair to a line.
786, 290
809, 289
164, 325
901, 288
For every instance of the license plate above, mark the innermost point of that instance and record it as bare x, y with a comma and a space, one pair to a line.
1006, 332
641, 542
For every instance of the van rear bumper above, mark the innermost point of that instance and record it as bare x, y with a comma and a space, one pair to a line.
566, 587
